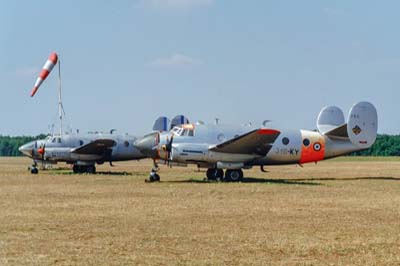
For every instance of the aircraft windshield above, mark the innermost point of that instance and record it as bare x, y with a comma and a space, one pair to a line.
183, 131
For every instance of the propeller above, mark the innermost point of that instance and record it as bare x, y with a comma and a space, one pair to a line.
42, 151
168, 147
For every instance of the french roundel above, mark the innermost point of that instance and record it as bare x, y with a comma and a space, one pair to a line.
317, 146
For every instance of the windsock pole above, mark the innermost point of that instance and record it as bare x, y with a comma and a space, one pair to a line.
60, 106
47, 68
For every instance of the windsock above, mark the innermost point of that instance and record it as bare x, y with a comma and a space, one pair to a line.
48, 66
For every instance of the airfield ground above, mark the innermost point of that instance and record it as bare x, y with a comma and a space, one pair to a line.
340, 212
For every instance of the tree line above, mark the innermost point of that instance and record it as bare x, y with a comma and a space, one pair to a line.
385, 145
9, 145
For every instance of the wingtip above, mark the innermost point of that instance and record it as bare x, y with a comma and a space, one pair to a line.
268, 132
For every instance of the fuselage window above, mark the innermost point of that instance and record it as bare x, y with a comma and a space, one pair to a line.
59, 140
191, 133
306, 142
126, 143
80, 142
285, 141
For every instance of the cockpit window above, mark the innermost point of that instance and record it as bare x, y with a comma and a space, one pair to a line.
183, 131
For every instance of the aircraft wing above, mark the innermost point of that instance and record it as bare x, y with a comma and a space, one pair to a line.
257, 142
99, 146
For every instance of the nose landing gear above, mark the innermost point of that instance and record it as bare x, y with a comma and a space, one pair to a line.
154, 177
34, 170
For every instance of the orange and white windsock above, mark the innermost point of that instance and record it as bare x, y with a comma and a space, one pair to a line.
48, 66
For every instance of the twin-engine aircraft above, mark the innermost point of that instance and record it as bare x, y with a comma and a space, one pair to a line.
84, 151
233, 148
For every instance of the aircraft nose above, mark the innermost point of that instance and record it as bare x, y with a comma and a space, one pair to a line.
27, 149
147, 144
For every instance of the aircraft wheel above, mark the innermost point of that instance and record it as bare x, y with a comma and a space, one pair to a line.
215, 174
76, 169
91, 169
212, 174
34, 171
220, 174
233, 175
154, 177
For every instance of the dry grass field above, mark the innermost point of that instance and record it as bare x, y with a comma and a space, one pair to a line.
340, 212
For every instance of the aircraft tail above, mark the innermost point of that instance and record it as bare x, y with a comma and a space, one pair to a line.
179, 120
362, 125
330, 118
161, 124
361, 128
164, 124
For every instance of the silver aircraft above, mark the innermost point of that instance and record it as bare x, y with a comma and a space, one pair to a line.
85, 151
233, 148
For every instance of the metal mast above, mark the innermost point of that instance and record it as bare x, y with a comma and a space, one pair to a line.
60, 106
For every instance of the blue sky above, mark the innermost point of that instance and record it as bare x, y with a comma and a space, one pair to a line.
124, 63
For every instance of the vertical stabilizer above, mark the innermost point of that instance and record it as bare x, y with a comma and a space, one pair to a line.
161, 124
362, 125
330, 118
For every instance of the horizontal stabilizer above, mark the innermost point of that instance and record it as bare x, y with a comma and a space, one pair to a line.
97, 147
338, 132
257, 142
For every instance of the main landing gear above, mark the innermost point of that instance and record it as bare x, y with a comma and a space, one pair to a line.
234, 175
80, 169
154, 177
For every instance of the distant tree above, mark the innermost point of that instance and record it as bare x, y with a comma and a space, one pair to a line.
385, 145
9, 145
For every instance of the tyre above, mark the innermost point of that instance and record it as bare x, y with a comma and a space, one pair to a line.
76, 169
211, 174
91, 169
154, 177
215, 174
233, 175
34, 171
220, 174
